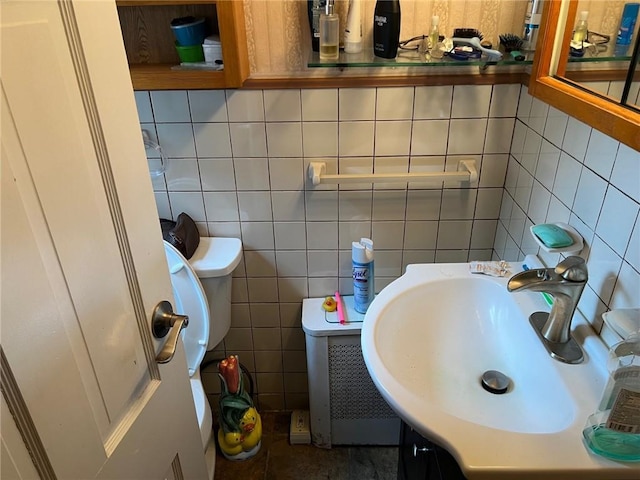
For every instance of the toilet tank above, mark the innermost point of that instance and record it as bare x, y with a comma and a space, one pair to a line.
214, 261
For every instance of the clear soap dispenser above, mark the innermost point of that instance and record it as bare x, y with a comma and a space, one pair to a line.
329, 33
613, 431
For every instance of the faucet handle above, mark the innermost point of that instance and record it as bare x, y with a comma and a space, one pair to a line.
573, 268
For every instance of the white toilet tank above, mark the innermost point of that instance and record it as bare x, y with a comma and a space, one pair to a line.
214, 261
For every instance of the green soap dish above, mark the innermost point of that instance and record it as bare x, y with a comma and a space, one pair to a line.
557, 238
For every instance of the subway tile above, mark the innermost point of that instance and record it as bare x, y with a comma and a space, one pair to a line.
248, 139
389, 205
290, 235
183, 176
188, 202
224, 229
431, 164
296, 382
539, 205
483, 234
604, 266
319, 104
170, 106
576, 139
547, 164
263, 315
531, 151
323, 263
208, 106
320, 139
625, 292
504, 100
284, 139
176, 140
217, 174
255, 206
291, 263
393, 137
391, 165
240, 315
538, 115
262, 289
350, 231
282, 105
555, 126
163, 205
212, 139
387, 235
454, 234
294, 361
286, 173
291, 289
517, 142
293, 339
589, 197
323, 286
355, 139
257, 235
356, 104
394, 103
291, 314
567, 178
625, 175
321, 206
245, 105
143, 105
488, 203
388, 263
458, 204
221, 206
466, 136
251, 173
356, 166
322, 235
429, 137
617, 219
269, 382
239, 339
471, 101
419, 235
239, 292
633, 250
499, 131
493, 170
433, 102
524, 105
410, 257
288, 206
423, 204
355, 206
601, 153
260, 263
452, 256
268, 361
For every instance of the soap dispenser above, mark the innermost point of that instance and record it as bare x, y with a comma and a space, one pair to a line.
613, 431
329, 33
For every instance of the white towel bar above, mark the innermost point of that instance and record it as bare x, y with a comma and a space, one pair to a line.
466, 172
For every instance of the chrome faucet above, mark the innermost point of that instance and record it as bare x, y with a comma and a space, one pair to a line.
565, 283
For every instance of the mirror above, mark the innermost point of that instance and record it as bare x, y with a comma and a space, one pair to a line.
591, 87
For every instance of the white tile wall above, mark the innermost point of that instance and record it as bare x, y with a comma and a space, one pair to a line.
238, 162
584, 178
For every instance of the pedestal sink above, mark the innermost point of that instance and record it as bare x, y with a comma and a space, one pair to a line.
427, 340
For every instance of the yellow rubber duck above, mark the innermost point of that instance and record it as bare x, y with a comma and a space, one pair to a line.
230, 443
251, 426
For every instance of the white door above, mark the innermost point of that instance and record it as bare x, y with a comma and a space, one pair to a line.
82, 261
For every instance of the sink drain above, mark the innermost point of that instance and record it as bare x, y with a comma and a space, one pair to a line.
494, 381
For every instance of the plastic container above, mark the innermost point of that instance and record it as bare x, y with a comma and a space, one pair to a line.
363, 275
189, 31
190, 54
386, 28
353, 30
613, 431
212, 50
627, 26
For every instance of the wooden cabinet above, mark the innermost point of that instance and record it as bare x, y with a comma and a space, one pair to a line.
149, 43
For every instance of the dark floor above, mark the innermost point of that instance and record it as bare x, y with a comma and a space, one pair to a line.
279, 460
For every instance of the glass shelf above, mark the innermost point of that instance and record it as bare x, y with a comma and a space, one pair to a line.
603, 53
407, 58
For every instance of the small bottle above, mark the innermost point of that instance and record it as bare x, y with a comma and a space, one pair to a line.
434, 34
627, 26
580, 32
329, 33
613, 431
314, 10
362, 266
532, 19
386, 28
353, 30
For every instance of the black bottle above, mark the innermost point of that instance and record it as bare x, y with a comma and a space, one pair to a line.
386, 28
314, 8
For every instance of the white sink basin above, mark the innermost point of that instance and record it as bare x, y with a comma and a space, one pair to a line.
430, 335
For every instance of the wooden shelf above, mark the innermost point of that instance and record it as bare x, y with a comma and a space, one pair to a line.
150, 46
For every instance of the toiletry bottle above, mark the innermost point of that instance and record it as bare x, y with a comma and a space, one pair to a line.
580, 32
627, 26
362, 266
314, 10
353, 30
386, 28
531, 24
434, 34
329, 33
613, 431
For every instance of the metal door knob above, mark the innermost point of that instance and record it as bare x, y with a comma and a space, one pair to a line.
417, 450
165, 322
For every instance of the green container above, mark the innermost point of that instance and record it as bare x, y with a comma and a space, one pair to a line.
190, 54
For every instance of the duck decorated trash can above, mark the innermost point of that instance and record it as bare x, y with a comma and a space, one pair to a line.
240, 432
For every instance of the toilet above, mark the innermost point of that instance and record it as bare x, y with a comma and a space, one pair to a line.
202, 291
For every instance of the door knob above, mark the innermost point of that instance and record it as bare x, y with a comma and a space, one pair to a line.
165, 321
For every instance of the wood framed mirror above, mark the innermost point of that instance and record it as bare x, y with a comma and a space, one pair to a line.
560, 88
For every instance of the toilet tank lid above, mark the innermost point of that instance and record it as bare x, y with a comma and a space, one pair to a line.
216, 256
